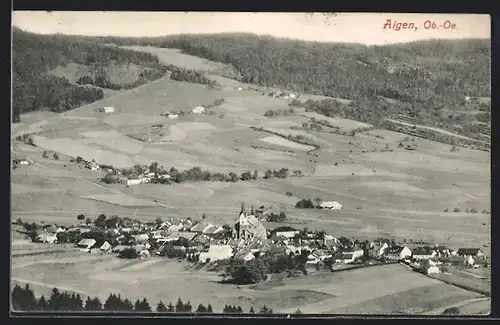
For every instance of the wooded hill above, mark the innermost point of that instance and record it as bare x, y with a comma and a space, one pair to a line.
35, 55
428, 80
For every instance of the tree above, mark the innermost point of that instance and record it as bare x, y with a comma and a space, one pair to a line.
201, 309
129, 253
209, 309
93, 304
88, 221
45, 154
42, 304
158, 221
56, 156
304, 204
255, 174
80, 217
246, 176
142, 306
233, 177
153, 168
251, 310
298, 312
170, 308
179, 307
161, 308
100, 222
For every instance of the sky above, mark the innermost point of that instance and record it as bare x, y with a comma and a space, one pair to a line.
365, 28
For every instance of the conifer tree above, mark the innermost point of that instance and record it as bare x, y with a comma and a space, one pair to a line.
201, 309
209, 309
161, 308
179, 306
251, 310
170, 307
42, 304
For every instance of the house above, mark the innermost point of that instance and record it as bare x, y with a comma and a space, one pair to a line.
432, 269
119, 248
24, 162
355, 252
244, 254
474, 252
86, 243
216, 253
377, 249
47, 238
108, 109
285, 231
331, 205
424, 253
173, 116
105, 247
481, 262
141, 237
331, 241
212, 230
199, 110
134, 181
201, 226
442, 251
397, 253
317, 256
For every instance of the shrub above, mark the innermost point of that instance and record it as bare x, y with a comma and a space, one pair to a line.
289, 194
304, 204
456, 210
473, 210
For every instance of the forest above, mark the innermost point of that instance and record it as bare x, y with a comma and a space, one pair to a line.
33, 56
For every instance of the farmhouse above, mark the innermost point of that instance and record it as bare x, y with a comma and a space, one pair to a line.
285, 231
47, 238
397, 253
199, 110
432, 269
475, 252
244, 254
424, 253
331, 205
377, 249
86, 243
108, 109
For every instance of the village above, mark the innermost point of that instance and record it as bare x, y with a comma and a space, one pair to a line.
202, 242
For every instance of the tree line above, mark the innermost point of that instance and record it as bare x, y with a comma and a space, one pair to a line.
23, 299
188, 75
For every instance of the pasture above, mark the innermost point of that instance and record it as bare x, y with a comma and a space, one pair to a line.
341, 123
166, 280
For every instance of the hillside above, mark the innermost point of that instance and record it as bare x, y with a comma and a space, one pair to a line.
37, 87
427, 80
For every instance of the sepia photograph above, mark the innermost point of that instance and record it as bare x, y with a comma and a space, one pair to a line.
240, 163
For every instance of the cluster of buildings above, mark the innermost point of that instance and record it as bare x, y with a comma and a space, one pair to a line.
281, 94
22, 162
248, 236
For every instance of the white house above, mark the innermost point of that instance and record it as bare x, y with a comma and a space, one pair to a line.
285, 231
397, 253
134, 181
377, 249
105, 247
108, 109
199, 110
331, 205
48, 238
432, 269
86, 243
423, 253
173, 116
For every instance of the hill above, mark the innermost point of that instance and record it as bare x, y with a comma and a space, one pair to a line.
426, 80
42, 79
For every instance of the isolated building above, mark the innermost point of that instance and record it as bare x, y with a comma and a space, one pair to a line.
199, 110
331, 205
108, 109
474, 252
86, 243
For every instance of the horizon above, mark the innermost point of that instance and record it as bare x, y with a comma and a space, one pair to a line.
299, 26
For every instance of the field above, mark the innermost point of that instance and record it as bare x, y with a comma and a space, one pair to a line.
161, 279
343, 124
395, 193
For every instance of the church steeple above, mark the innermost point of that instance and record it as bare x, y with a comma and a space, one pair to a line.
242, 208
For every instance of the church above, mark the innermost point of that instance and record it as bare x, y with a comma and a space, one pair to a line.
248, 227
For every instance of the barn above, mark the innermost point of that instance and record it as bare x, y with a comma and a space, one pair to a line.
199, 110
331, 205
108, 109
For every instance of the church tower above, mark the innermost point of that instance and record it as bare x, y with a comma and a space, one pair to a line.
237, 225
